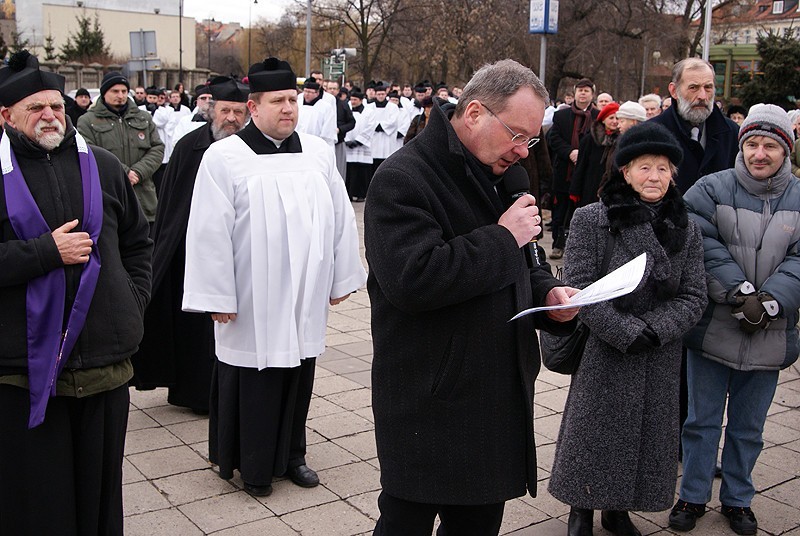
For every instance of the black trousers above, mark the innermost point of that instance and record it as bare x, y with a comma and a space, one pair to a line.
405, 518
65, 476
257, 419
561, 204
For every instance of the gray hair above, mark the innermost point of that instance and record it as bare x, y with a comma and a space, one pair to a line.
495, 82
688, 64
650, 97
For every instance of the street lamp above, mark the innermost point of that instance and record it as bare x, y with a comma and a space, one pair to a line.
249, 32
180, 41
208, 40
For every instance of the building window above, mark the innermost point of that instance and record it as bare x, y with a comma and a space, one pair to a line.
777, 7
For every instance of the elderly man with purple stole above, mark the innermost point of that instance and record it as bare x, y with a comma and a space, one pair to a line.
74, 281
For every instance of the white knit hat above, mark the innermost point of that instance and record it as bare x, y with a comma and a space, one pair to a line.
632, 110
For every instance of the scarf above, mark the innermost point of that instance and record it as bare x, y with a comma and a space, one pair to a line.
48, 346
581, 123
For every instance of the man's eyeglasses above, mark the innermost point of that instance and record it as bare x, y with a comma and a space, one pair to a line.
516, 139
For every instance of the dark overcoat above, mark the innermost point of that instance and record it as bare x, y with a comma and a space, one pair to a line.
559, 140
178, 348
452, 379
593, 161
618, 444
722, 145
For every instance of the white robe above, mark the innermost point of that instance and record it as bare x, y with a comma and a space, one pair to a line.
388, 117
363, 133
403, 122
166, 119
319, 120
185, 126
271, 238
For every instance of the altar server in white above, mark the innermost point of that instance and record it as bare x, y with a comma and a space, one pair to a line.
316, 115
358, 142
271, 242
387, 117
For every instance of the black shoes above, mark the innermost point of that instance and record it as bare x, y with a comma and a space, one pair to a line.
580, 522
619, 523
303, 476
742, 519
258, 491
684, 515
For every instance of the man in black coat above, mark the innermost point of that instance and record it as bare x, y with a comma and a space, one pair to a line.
569, 127
178, 348
449, 266
707, 137
74, 282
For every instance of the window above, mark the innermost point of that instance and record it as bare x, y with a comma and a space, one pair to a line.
777, 7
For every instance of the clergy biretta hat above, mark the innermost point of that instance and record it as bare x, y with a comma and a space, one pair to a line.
225, 88
310, 83
202, 89
22, 78
271, 74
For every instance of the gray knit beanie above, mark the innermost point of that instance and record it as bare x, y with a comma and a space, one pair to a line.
770, 121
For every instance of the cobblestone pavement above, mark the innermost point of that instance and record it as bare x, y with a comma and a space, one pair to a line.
170, 487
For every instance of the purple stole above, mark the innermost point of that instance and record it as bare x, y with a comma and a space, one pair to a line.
48, 346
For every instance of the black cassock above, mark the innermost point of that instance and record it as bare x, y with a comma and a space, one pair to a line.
178, 348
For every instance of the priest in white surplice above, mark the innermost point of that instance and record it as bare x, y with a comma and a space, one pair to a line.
387, 117
271, 241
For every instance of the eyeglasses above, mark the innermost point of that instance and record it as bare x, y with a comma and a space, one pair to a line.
516, 139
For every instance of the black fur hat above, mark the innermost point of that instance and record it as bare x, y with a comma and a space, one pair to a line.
647, 138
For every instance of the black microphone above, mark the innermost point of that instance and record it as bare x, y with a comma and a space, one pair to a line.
517, 184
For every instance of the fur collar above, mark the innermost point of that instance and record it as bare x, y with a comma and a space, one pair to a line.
625, 210
600, 136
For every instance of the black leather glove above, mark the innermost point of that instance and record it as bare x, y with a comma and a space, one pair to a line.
647, 340
755, 312
379, 128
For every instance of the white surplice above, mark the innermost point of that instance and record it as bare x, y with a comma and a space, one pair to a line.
271, 238
388, 117
318, 119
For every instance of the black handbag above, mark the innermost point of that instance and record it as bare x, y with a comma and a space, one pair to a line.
562, 354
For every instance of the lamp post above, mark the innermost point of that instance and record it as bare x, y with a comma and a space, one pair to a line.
208, 41
308, 38
180, 41
249, 32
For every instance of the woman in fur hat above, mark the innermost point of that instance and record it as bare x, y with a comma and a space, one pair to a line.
618, 444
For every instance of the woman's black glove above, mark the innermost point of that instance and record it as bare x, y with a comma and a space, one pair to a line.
647, 340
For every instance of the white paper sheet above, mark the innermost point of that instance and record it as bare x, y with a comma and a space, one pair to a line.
621, 281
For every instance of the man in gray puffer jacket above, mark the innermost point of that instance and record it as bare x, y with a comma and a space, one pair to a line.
750, 220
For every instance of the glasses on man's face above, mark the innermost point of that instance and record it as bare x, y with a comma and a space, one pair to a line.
516, 139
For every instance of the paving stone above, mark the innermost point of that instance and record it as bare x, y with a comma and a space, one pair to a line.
345, 323
333, 519
766, 476
362, 334
332, 354
362, 378
546, 503
326, 455
170, 522
288, 497
542, 386
192, 486
166, 415
794, 385
362, 445
148, 399
356, 349
265, 527
224, 511
518, 514
341, 338
551, 527
322, 406
361, 313
346, 366
351, 400
545, 455
320, 372
366, 413
775, 517
789, 418
554, 400
339, 425
165, 462
553, 378
787, 397
334, 384
794, 445
541, 411
778, 434
138, 420
313, 438
190, 431
149, 439
130, 473
788, 493
201, 448
548, 426
781, 458
141, 497
353, 479
367, 504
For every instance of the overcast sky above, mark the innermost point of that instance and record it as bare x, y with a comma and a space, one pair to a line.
234, 10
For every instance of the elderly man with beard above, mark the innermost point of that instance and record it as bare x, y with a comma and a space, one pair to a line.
707, 137
74, 282
178, 348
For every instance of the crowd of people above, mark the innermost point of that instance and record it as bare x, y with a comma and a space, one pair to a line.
153, 240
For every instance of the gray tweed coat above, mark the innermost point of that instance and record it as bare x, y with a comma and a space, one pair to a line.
618, 444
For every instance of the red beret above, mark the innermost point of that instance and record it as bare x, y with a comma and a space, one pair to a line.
608, 109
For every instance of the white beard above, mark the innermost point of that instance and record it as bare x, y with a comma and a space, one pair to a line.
48, 140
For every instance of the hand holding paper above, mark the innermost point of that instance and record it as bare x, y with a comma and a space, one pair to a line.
618, 283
